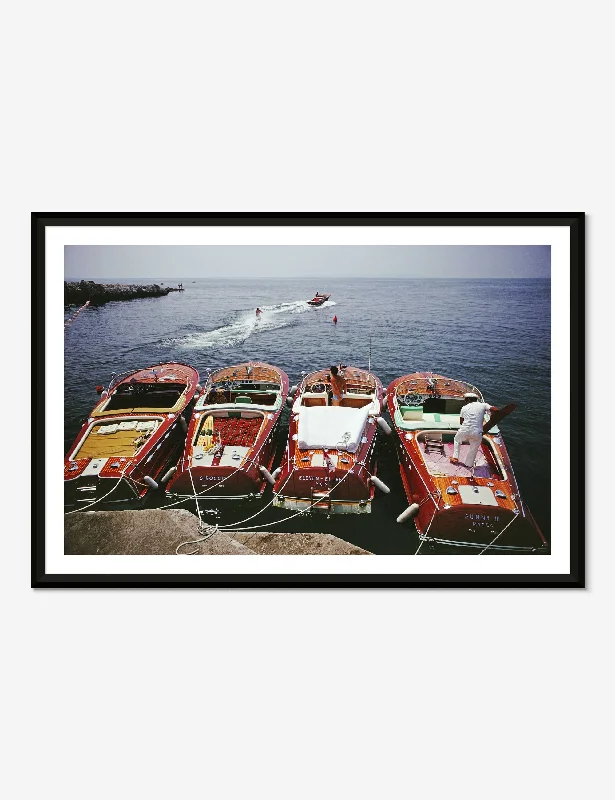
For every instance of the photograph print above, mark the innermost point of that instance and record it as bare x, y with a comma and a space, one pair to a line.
300, 403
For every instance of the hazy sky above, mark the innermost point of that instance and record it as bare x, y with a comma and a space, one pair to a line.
277, 261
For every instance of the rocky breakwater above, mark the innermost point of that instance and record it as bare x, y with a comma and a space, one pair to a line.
78, 292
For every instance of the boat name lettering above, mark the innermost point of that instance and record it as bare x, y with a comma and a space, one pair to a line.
479, 517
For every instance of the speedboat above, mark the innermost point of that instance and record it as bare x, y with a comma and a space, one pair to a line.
329, 463
318, 299
230, 444
132, 436
452, 503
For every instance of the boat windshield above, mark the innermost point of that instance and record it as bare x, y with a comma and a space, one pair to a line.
145, 395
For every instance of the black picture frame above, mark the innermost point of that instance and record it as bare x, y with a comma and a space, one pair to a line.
575, 578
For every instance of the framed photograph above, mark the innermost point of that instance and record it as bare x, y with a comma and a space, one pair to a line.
344, 400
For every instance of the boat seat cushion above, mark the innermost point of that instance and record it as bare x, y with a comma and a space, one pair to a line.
411, 412
314, 399
356, 400
331, 427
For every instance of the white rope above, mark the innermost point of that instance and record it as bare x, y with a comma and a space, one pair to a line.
196, 541
195, 497
260, 511
119, 480
204, 491
217, 528
299, 513
493, 541
424, 537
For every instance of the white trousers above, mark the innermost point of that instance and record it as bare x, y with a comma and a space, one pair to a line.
474, 438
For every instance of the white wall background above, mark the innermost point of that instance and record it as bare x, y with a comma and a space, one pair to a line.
331, 106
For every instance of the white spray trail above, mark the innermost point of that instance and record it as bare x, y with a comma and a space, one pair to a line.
272, 317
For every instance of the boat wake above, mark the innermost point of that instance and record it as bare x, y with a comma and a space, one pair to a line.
247, 323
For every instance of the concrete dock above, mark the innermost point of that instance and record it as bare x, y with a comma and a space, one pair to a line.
160, 532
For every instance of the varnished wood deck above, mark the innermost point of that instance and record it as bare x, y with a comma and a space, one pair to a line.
418, 383
121, 444
252, 372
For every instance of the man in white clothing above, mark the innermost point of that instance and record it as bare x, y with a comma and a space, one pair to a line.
471, 417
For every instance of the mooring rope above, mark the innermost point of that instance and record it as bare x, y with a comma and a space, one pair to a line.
225, 528
493, 541
113, 488
286, 519
424, 537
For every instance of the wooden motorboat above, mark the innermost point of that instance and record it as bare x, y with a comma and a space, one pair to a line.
132, 436
329, 462
318, 299
452, 503
230, 445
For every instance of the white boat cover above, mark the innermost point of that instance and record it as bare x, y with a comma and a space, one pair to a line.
331, 427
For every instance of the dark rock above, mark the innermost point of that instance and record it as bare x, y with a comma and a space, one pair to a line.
78, 292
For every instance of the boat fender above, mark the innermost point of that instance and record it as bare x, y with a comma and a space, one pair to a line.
168, 475
289, 401
150, 482
384, 425
379, 484
184, 424
409, 513
276, 472
293, 389
266, 474
199, 388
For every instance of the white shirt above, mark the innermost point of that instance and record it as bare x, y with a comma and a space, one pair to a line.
473, 415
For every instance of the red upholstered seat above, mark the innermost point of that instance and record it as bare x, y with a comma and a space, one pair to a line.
237, 432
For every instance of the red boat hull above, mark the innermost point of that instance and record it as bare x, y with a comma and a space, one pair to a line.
318, 301
457, 505
229, 462
328, 479
114, 467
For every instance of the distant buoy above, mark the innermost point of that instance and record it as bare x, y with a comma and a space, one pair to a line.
379, 484
150, 482
266, 474
384, 425
184, 424
168, 475
409, 513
